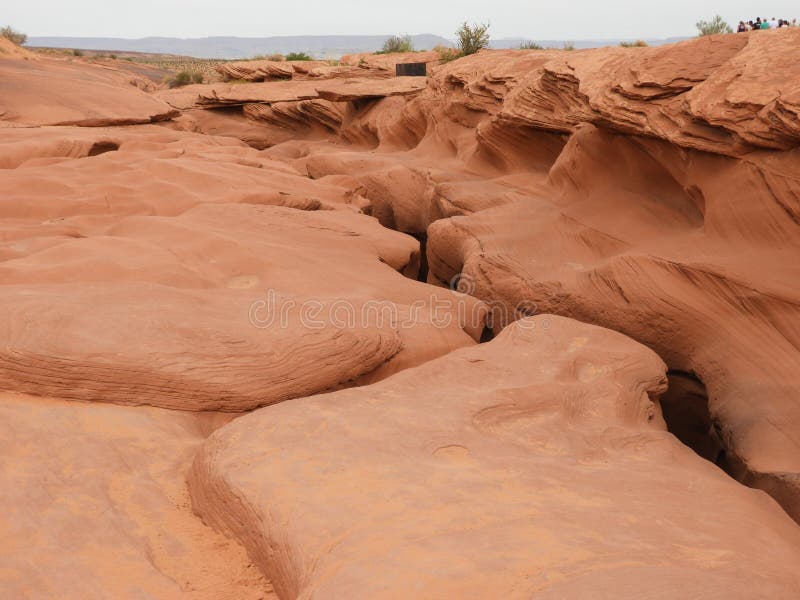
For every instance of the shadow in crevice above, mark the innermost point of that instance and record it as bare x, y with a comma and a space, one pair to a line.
102, 147
685, 408
422, 238
487, 335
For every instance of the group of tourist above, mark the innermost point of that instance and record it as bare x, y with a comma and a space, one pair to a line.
765, 24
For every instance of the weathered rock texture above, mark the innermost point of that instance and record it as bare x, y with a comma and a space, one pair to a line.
270, 70
58, 92
385, 63
652, 191
497, 492
95, 506
173, 297
239, 254
217, 95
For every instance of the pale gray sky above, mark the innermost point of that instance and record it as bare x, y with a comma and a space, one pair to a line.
534, 19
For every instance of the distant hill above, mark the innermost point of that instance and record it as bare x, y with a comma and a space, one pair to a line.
320, 46
515, 42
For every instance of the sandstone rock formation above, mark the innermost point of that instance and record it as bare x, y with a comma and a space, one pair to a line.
58, 92
285, 248
626, 204
732, 93
95, 506
271, 70
217, 95
295, 117
496, 492
385, 63
348, 90
215, 261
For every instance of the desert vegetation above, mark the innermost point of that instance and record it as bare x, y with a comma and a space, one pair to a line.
635, 44
184, 78
11, 34
397, 43
530, 46
446, 53
714, 26
298, 56
472, 37
275, 56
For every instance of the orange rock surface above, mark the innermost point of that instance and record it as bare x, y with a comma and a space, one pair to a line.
541, 469
624, 221
58, 92
95, 506
270, 70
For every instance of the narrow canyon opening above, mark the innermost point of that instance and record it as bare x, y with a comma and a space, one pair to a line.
422, 238
685, 409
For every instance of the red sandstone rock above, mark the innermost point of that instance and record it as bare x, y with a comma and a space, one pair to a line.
540, 468
347, 90
95, 506
58, 92
652, 191
295, 117
370, 61
267, 70
251, 340
628, 225
235, 94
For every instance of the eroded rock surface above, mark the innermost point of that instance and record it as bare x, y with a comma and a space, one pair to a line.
95, 506
652, 191
207, 309
59, 92
271, 70
496, 492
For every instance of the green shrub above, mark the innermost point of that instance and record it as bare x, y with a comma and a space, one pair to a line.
397, 43
185, 78
16, 37
298, 56
472, 38
446, 54
114, 56
636, 44
569, 46
76, 52
275, 56
530, 46
714, 26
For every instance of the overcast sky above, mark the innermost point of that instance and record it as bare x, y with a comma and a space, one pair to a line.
532, 19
